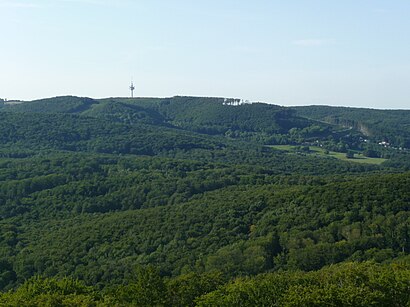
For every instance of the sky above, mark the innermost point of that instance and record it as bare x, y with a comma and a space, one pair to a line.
294, 52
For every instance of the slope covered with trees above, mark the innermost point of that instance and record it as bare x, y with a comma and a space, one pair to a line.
179, 202
204, 115
392, 126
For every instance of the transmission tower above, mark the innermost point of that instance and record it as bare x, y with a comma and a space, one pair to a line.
132, 88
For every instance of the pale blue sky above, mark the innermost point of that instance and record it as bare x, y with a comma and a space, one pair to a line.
293, 52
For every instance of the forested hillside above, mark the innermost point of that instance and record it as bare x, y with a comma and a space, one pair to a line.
186, 201
391, 126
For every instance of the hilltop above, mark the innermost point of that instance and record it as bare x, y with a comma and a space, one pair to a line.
335, 128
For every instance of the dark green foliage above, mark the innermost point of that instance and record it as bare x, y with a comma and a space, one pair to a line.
239, 221
65, 104
211, 116
183, 290
77, 133
350, 154
371, 153
39, 291
127, 113
184, 190
148, 290
349, 284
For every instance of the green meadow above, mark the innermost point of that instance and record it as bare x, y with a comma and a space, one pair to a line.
319, 151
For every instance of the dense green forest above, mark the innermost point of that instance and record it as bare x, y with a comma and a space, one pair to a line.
184, 201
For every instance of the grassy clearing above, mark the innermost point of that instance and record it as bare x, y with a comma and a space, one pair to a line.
318, 151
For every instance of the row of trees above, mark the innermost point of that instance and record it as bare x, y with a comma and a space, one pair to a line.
349, 284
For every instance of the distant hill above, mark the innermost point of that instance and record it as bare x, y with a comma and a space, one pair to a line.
391, 126
64, 104
334, 128
80, 133
212, 116
199, 114
123, 112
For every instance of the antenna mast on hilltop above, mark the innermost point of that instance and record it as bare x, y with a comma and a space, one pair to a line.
132, 88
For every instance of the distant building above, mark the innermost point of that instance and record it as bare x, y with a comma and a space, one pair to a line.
234, 102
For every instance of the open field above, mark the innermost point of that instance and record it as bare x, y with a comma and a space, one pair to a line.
318, 151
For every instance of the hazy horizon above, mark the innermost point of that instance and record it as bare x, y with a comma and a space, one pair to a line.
350, 53
16, 101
